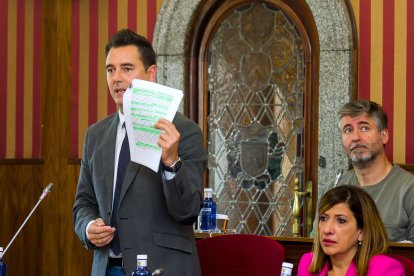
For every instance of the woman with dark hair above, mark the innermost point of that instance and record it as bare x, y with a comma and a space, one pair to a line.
350, 237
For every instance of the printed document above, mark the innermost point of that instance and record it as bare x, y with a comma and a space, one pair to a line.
144, 103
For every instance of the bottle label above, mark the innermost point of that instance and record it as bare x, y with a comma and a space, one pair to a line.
141, 262
286, 271
205, 215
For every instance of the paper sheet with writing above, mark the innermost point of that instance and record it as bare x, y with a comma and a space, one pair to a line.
144, 103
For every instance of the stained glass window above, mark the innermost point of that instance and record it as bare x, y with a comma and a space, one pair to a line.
256, 83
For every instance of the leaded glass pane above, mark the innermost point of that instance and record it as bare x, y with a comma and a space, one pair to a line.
256, 82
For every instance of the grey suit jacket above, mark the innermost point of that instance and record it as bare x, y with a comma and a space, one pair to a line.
155, 215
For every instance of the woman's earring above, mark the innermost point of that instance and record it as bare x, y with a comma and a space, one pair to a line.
359, 243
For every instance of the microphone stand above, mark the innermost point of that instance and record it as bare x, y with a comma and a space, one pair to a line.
43, 195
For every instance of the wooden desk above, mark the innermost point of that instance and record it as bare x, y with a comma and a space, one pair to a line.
296, 247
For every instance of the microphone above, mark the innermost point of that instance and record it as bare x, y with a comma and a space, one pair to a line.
338, 177
46, 191
42, 196
158, 271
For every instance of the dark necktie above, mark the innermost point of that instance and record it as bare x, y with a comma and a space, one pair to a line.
124, 157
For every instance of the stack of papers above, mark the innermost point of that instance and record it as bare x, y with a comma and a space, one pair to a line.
144, 103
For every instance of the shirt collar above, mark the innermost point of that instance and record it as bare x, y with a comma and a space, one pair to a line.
121, 118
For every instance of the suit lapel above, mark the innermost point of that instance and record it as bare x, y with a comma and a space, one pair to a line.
108, 144
131, 172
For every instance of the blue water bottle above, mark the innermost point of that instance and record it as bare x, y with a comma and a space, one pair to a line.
208, 212
205, 212
142, 269
2, 265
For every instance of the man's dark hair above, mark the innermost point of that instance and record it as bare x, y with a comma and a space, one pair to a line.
372, 109
125, 37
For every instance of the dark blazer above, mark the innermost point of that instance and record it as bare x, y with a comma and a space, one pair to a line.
155, 215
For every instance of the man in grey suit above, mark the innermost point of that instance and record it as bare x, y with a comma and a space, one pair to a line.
156, 211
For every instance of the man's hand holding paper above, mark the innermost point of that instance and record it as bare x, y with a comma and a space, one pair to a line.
168, 141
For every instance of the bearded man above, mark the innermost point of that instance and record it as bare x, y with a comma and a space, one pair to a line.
363, 127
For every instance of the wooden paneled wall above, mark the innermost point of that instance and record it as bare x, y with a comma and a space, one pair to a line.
47, 244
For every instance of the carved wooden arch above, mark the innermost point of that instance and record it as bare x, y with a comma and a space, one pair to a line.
207, 19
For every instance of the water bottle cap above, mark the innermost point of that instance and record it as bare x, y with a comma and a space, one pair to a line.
288, 265
142, 257
208, 192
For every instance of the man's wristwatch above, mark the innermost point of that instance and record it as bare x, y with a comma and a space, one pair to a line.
175, 166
